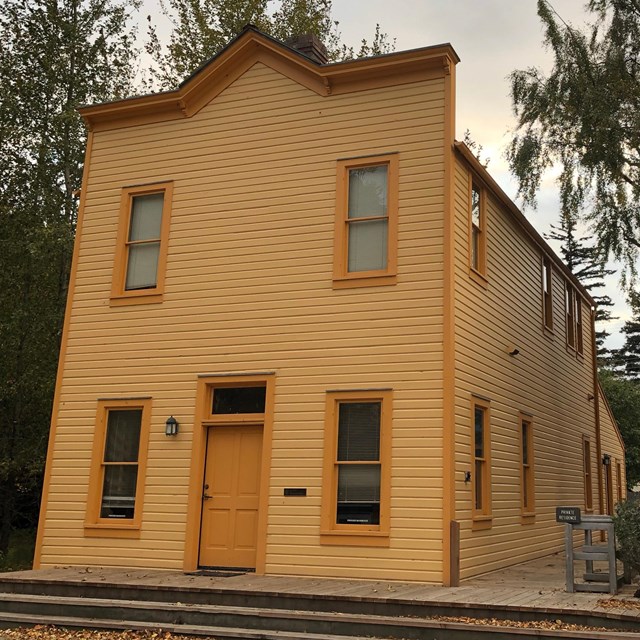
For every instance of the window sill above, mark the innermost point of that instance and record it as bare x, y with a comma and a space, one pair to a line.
108, 530
479, 278
351, 282
548, 332
528, 517
481, 522
138, 298
355, 538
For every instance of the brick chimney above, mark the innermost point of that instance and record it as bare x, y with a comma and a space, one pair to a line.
309, 45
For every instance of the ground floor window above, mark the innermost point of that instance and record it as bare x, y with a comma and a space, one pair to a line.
357, 450
118, 466
527, 469
481, 454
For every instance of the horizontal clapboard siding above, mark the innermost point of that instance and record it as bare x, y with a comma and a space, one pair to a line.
546, 380
249, 288
612, 445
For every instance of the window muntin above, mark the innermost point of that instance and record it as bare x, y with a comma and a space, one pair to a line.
141, 248
588, 485
547, 293
481, 453
357, 468
477, 229
527, 471
116, 484
366, 220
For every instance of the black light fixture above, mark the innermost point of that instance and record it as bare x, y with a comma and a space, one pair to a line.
606, 459
171, 427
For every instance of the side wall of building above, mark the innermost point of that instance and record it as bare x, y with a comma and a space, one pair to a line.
249, 289
546, 383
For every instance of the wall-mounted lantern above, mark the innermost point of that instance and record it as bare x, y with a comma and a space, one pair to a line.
606, 459
171, 427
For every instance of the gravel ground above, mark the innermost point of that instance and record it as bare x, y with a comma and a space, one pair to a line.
53, 633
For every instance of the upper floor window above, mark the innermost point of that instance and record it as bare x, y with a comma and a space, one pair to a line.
141, 249
573, 310
477, 237
547, 293
366, 221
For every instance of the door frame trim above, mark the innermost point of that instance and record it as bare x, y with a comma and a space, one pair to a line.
203, 420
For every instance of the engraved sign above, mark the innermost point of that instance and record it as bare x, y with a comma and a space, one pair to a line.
569, 515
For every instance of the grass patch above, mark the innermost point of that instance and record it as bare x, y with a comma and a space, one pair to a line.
20, 554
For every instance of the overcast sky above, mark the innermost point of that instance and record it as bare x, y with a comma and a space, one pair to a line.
492, 38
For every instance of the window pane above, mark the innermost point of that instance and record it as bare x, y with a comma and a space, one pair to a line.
123, 435
525, 445
475, 247
479, 431
119, 491
142, 266
359, 431
479, 497
475, 206
239, 400
368, 192
368, 245
146, 217
358, 494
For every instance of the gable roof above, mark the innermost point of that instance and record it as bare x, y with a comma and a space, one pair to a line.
252, 46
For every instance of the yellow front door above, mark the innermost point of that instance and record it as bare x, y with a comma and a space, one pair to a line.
231, 492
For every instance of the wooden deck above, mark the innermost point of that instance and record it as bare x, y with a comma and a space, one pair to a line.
534, 586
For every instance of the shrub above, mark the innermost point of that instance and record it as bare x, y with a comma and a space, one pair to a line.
627, 527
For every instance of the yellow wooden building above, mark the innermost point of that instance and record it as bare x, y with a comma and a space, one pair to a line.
308, 334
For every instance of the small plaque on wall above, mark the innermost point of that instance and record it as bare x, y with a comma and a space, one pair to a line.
295, 491
569, 515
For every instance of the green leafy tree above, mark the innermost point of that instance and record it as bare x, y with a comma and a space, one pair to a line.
624, 398
55, 56
584, 116
201, 28
587, 262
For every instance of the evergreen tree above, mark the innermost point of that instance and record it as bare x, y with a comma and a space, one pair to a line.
55, 56
588, 264
201, 28
628, 356
585, 118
